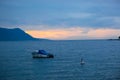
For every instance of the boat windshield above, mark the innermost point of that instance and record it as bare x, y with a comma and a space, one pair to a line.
42, 52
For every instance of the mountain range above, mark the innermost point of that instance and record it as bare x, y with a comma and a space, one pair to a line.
15, 34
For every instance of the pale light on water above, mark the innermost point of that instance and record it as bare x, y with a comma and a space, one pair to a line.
102, 60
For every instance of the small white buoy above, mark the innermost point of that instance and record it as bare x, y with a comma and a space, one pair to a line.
82, 62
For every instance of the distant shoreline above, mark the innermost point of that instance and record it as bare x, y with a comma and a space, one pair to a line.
114, 39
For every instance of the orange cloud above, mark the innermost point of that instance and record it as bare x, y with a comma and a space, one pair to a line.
54, 33
103, 33
74, 33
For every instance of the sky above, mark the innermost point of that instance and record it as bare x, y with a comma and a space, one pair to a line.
63, 19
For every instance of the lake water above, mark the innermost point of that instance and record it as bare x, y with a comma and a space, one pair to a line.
102, 60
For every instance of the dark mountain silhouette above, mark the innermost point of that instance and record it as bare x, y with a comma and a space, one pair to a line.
15, 34
119, 37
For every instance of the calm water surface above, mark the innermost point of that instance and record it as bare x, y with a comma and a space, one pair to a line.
102, 60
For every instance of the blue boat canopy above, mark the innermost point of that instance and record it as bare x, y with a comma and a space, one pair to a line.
42, 52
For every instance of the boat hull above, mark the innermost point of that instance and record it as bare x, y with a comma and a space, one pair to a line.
37, 55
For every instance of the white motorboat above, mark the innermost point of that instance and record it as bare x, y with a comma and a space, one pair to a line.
41, 54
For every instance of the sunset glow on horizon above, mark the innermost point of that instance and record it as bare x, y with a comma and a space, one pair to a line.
74, 33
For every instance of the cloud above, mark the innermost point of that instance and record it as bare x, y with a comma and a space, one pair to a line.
103, 33
93, 13
79, 15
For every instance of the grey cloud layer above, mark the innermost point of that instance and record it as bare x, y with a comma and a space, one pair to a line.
92, 13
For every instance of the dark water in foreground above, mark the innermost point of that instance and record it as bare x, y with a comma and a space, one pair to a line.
102, 60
